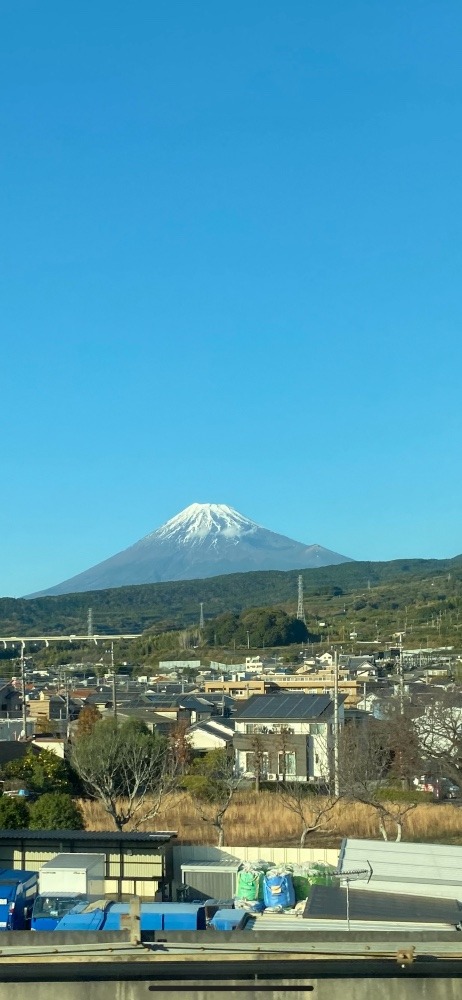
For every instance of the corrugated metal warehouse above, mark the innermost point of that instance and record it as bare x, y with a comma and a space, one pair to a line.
136, 863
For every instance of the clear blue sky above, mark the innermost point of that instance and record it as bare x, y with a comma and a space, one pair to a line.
230, 272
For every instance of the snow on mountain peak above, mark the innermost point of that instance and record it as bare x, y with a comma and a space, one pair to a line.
202, 520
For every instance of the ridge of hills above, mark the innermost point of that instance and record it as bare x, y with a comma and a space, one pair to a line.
421, 596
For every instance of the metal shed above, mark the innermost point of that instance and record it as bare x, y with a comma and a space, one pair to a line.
210, 879
136, 863
410, 869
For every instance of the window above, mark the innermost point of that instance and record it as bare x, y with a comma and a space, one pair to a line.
252, 761
287, 763
316, 728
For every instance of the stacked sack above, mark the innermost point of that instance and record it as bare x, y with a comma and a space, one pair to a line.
278, 889
322, 874
249, 889
261, 885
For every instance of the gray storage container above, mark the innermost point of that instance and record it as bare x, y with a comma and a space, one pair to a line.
210, 879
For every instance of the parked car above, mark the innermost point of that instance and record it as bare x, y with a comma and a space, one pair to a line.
440, 788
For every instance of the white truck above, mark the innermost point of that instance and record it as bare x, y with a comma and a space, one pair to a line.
63, 882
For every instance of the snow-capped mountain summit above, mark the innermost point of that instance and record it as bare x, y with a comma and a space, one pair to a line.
202, 520
203, 540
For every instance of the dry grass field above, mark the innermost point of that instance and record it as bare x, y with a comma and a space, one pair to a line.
262, 819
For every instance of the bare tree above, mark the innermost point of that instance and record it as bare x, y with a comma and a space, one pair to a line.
283, 746
313, 807
258, 748
366, 767
180, 744
127, 769
438, 725
213, 784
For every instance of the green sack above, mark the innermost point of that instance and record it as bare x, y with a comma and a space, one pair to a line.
250, 885
301, 886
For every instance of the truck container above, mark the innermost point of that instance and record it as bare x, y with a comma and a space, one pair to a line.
106, 915
63, 882
18, 891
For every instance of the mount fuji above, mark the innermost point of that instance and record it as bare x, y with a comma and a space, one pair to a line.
205, 539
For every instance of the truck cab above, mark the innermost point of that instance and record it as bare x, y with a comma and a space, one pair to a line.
50, 907
18, 890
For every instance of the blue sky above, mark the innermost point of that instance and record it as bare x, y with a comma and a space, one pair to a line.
230, 272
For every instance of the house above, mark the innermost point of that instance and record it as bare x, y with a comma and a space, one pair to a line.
236, 689
291, 735
215, 734
318, 682
51, 708
10, 701
195, 708
54, 743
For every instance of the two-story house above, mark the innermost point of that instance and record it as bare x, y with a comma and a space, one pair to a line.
286, 736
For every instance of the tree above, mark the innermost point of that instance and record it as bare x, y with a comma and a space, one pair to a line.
56, 811
438, 726
39, 772
87, 720
284, 745
126, 768
265, 626
366, 757
311, 806
212, 782
14, 814
180, 745
258, 748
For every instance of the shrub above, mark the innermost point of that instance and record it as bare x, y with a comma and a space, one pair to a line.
14, 813
40, 772
403, 795
56, 811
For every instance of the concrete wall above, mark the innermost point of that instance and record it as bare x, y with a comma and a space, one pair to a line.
185, 853
307, 989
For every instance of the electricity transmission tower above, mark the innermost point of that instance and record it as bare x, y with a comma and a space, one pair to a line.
300, 607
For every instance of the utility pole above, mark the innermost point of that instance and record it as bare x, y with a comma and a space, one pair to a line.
23, 690
336, 728
114, 685
401, 673
68, 713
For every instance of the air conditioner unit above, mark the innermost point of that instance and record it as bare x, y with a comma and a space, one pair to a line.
271, 777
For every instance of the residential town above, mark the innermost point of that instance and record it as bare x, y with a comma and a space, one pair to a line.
277, 721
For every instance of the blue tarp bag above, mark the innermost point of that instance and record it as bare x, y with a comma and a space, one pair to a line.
278, 890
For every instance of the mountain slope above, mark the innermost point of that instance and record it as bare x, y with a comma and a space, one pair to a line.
204, 540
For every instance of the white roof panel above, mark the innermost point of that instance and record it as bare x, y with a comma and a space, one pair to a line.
413, 869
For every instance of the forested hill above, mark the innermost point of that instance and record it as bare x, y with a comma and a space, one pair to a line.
176, 605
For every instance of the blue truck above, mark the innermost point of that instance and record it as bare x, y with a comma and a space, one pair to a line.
64, 881
18, 890
50, 907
